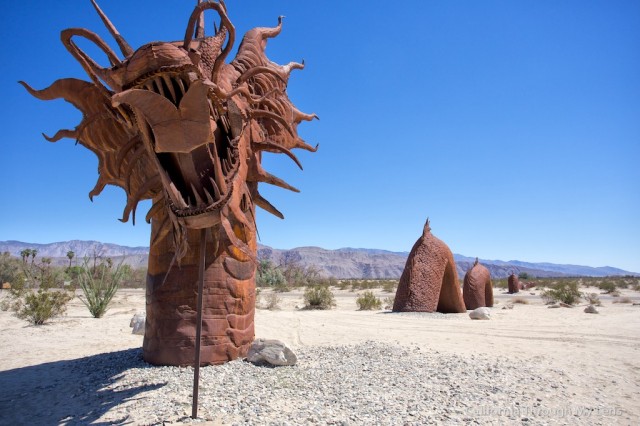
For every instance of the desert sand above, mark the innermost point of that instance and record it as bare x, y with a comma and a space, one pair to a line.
595, 357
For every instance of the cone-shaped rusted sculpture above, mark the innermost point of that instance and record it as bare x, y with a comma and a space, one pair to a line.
174, 123
477, 290
429, 281
514, 284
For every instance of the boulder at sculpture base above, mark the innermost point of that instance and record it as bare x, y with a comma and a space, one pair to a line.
272, 352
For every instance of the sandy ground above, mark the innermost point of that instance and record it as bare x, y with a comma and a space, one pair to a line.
599, 353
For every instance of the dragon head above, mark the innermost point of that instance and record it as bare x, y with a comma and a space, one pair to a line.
175, 123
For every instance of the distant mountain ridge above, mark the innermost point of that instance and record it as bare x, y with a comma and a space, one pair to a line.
341, 263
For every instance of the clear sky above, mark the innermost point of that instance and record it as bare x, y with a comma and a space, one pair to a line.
513, 125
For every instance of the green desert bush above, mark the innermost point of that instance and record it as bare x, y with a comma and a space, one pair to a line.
501, 283
389, 286
281, 288
592, 298
40, 306
368, 301
272, 301
99, 284
37, 293
318, 297
9, 268
343, 284
563, 291
328, 282
388, 302
607, 286
269, 275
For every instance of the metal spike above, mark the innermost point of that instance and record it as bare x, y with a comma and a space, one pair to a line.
181, 86
216, 191
159, 89
169, 84
199, 200
210, 199
178, 196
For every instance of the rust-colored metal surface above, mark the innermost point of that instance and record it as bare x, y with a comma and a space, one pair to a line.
513, 284
429, 282
477, 290
174, 123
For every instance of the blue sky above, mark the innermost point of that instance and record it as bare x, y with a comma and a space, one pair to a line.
513, 125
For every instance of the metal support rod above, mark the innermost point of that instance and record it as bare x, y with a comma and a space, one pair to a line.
196, 364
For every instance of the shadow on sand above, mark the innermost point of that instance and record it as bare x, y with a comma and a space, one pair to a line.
69, 392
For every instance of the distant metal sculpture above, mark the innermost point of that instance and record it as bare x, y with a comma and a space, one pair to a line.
477, 290
429, 281
513, 283
172, 122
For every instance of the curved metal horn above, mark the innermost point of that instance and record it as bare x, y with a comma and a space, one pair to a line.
124, 46
95, 71
225, 22
200, 29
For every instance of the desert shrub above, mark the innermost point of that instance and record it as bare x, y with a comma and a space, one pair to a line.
268, 275
621, 284
623, 300
272, 301
40, 306
636, 287
297, 275
564, 291
592, 298
99, 284
367, 301
318, 297
388, 302
133, 278
501, 283
356, 285
607, 286
343, 284
328, 282
37, 293
389, 286
281, 288
615, 293
9, 268
520, 300
524, 276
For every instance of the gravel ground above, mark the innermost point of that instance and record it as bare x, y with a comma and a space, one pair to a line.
369, 383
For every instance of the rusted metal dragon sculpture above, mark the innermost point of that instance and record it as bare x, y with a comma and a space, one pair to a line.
174, 123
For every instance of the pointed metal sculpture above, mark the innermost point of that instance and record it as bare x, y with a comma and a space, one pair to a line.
175, 123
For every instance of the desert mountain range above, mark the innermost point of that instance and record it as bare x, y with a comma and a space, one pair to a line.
340, 263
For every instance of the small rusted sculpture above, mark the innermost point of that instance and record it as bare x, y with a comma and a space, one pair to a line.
429, 281
477, 290
174, 123
514, 284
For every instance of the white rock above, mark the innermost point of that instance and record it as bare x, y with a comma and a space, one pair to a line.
591, 309
480, 314
137, 322
272, 352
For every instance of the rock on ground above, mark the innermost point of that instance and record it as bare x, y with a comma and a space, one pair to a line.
272, 352
137, 322
480, 314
